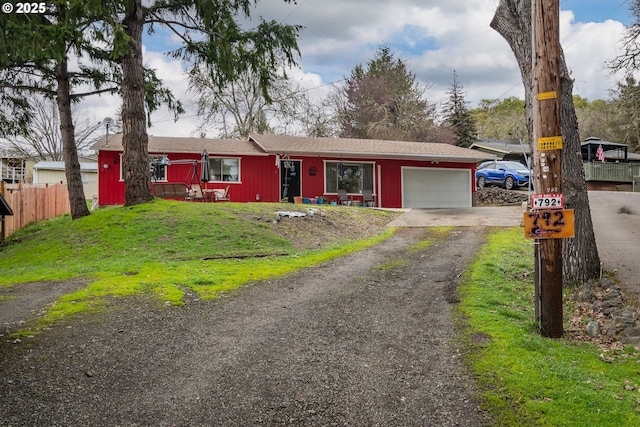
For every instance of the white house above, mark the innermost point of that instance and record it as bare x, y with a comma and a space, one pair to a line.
48, 172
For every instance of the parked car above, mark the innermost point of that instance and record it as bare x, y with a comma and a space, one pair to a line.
504, 173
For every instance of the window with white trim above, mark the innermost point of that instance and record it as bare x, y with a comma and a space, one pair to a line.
349, 176
225, 169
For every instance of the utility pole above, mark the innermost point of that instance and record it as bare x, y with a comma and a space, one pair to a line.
548, 221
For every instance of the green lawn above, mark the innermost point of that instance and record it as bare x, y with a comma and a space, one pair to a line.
166, 248
527, 380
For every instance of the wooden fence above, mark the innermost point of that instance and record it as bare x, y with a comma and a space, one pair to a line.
31, 203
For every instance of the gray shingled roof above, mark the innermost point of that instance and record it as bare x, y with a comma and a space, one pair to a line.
367, 148
307, 146
165, 144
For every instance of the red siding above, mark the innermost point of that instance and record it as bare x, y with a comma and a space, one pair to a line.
110, 188
391, 178
260, 176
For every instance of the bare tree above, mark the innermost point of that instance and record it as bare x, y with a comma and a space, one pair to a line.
512, 20
629, 60
43, 140
318, 118
241, 107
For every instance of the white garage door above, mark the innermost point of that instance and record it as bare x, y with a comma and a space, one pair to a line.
436, 188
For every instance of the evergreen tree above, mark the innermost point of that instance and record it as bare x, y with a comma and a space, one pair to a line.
212, 38
35, 51
384, 101
105, 38
458, 115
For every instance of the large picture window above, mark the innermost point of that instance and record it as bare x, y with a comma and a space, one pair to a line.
352, 177
227, 170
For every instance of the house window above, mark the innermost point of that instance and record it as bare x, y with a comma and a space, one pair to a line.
227, 170
158, 170
352, 177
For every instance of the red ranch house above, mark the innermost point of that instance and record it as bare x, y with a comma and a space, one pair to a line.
270, 168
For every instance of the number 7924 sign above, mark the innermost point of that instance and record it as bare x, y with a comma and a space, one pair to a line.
549, 224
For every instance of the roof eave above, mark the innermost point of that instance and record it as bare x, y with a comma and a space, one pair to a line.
394, 156
490, 149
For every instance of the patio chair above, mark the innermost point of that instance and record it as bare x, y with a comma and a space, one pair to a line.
368, 199
343, 199
195, 193
222, 195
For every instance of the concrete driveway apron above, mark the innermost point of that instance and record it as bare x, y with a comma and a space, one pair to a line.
489, 216
616, 224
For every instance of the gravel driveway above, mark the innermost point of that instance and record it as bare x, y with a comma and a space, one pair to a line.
364, 340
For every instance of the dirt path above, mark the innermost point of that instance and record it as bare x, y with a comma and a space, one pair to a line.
364, 340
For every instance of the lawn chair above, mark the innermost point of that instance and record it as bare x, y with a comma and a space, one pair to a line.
222, 195
195, 193
343, 199
368, 199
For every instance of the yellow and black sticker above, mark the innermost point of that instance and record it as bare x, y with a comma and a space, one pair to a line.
550, 143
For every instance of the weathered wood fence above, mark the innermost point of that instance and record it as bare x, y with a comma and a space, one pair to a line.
32, 203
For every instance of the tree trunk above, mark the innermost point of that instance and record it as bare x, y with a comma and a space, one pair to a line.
580, 254
77, 200
512, 21
135, 141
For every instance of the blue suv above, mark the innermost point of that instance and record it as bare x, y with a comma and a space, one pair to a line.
504, 173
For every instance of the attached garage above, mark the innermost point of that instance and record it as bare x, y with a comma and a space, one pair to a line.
268, 168
436, 188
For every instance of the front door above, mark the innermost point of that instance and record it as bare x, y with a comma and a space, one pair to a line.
290, 179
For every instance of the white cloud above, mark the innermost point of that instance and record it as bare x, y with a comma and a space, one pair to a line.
434, 37
588, 48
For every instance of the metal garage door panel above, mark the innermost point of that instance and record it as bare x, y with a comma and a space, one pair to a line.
436, 188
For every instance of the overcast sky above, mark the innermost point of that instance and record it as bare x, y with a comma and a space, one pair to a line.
433, 37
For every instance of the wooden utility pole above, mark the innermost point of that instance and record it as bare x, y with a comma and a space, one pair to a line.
547, 146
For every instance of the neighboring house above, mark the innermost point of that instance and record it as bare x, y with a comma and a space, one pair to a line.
620, 170
519, 151
12, 169
272, 168
49, 172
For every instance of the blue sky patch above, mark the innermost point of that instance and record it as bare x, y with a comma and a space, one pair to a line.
599, 10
